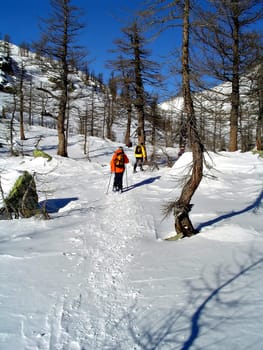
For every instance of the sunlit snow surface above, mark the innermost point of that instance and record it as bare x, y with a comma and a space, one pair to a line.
99, 274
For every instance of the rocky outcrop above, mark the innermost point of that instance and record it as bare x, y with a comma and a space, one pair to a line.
22, 200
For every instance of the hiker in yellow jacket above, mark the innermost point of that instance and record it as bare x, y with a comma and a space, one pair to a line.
140, 156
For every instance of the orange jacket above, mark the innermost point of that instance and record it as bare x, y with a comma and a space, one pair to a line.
114, 168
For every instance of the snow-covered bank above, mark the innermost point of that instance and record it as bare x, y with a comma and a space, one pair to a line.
98, 274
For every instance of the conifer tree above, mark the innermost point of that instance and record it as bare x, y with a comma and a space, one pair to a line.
135, 70
59, 45
170, 13
229, 48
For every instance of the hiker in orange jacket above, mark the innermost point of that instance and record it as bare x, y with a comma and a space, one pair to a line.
117, 164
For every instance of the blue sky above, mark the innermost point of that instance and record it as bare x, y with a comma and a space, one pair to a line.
103, 18
20, 19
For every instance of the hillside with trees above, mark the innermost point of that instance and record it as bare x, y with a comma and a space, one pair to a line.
50, 85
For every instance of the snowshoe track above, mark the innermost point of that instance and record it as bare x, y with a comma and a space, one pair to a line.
98, 270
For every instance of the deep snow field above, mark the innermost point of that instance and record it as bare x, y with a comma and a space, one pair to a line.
100, 275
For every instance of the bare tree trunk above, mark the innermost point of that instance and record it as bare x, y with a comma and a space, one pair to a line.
139, 87
109, 117
127, 139
21, 99
183, 224
259, 130
62, 149
61, 119
30, 120
235, 87
139, 105
11, 128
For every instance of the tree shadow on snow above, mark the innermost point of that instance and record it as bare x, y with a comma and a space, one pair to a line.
54, 205
210, 308
254, 206
142, 183
216, 298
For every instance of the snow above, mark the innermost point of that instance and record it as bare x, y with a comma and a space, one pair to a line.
100, 275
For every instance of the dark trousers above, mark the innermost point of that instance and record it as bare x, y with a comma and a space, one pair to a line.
117, 183
138, 162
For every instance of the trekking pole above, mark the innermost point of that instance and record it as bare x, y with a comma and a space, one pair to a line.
109, 183
127, 178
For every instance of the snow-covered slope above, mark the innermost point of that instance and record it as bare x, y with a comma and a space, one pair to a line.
98, 274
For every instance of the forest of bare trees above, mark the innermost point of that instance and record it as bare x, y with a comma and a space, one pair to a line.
220, 68
228, 118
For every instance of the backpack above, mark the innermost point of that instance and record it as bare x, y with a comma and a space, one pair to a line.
119, 160
138, 150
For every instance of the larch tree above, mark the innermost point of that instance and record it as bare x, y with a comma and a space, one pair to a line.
111, 104
20, 91
135, 71
228, 47
59, 45
182, 207
126, 101
259, 130
171, 14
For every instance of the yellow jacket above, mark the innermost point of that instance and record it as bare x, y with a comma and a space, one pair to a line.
141, 154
